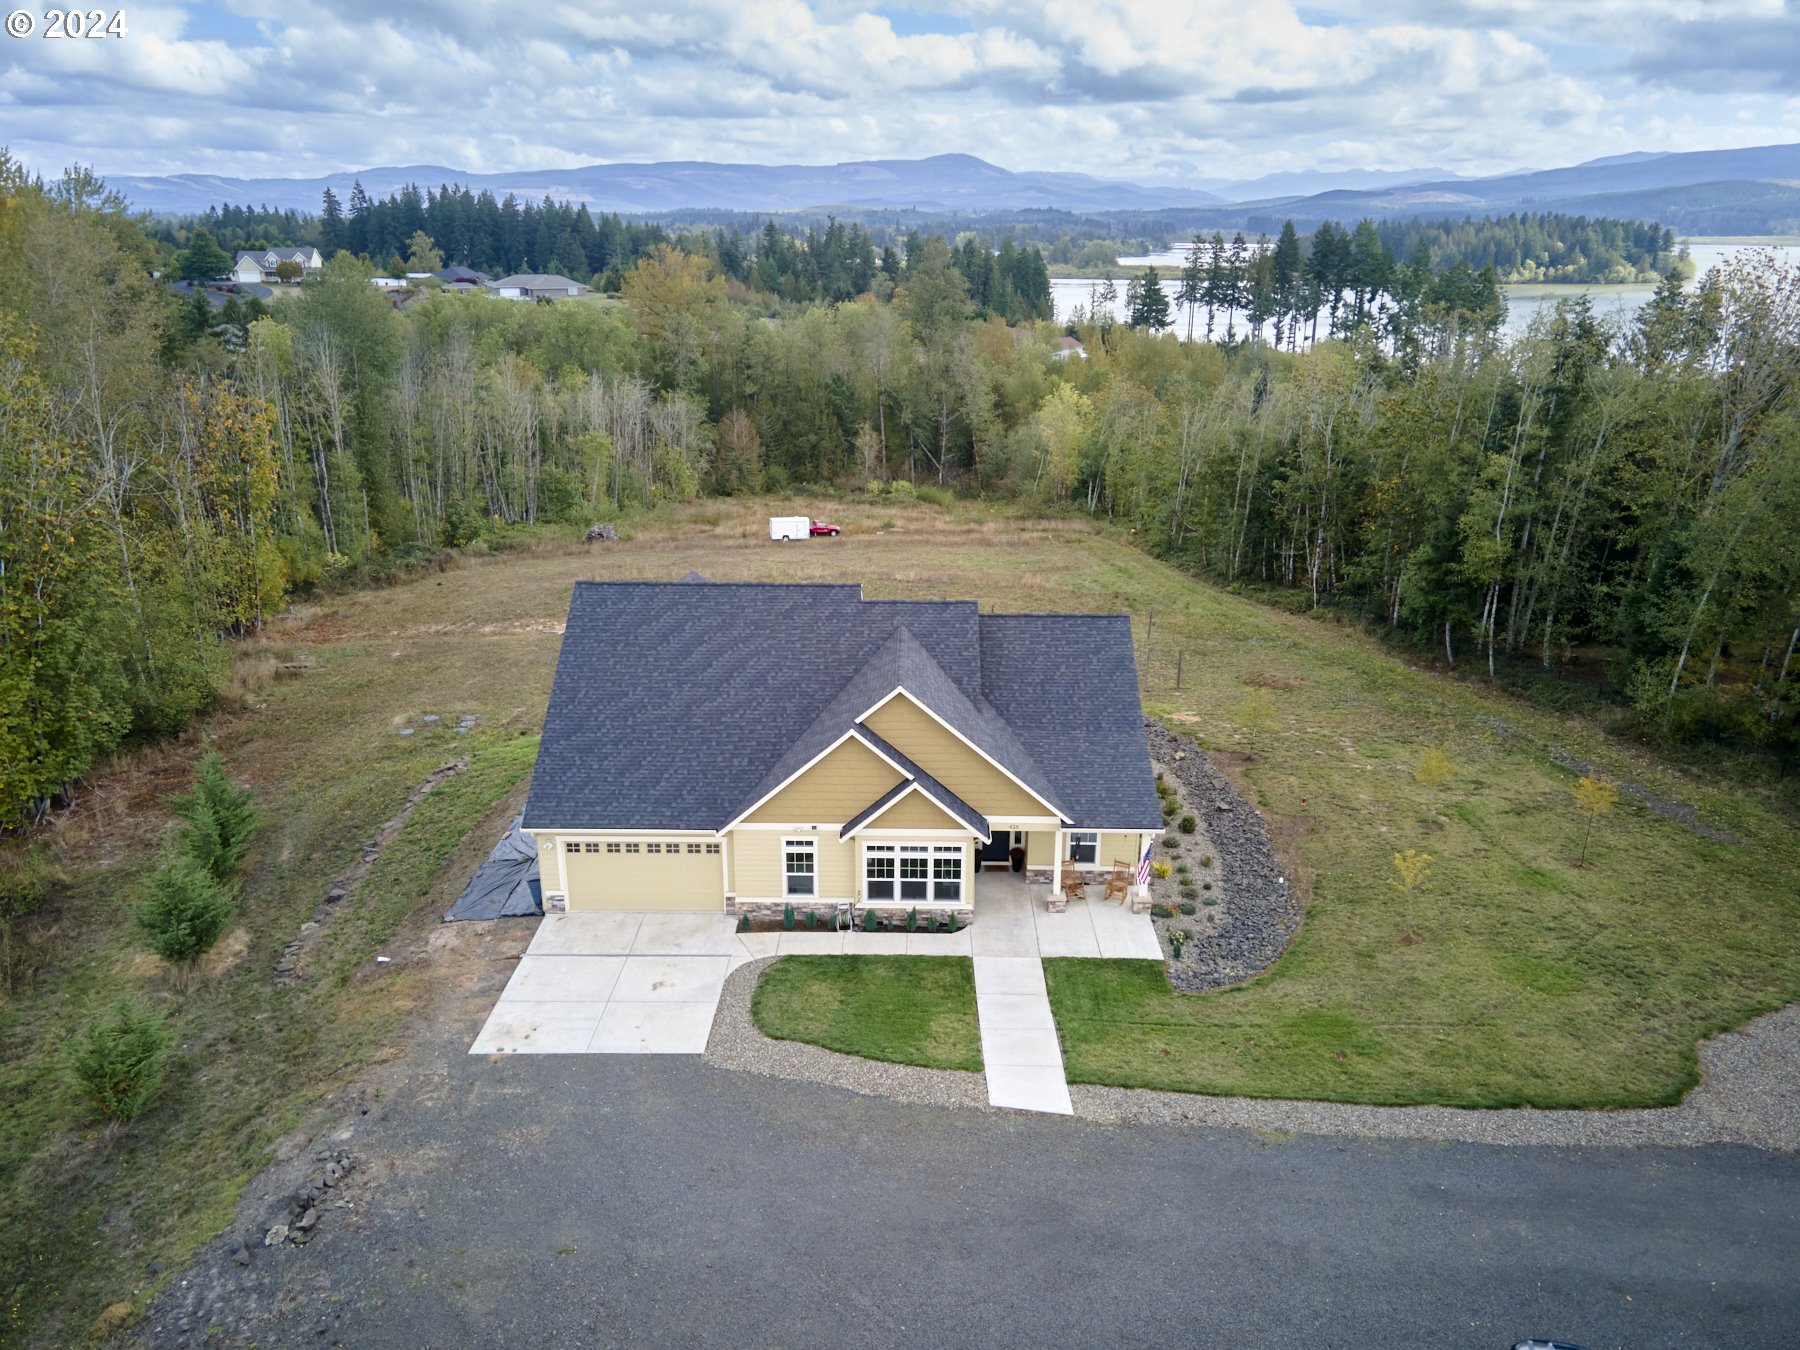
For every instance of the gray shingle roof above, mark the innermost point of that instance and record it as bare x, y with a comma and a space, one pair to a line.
1067, 686
678, 705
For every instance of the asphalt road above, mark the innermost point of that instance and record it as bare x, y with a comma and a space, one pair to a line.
578, 1201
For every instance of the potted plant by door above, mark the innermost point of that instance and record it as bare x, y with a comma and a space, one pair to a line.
1017, 855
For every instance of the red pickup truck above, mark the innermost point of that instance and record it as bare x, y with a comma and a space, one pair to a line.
819, 527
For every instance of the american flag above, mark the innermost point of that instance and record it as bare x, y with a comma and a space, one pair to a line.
1143, 872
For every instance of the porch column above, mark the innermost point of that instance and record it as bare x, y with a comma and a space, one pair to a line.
1056, 865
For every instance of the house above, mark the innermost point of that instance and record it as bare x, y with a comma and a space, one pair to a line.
463, 277
259, 266
740, 748
1066, 347
536, 286
388, 283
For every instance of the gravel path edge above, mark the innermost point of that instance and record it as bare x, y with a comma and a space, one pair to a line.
1749, 1093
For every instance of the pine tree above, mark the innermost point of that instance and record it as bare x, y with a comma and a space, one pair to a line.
331, 224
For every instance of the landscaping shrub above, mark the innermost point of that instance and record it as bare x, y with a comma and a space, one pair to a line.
1206, 860
184, 911
1188, 907
1187, 825
1169, 809
219, 820
868, 921
743, 923
1171, 842
1206, 885
1182, 868
1187, 888
787, 917
912, 920
1209, 901
118, 1062
1160, 911
1162, 869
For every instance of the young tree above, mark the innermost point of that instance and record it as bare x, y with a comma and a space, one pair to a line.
219, 819
289, 271
118, 1062
185, 910
1594, 797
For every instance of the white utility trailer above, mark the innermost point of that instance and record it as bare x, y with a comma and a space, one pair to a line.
789, 527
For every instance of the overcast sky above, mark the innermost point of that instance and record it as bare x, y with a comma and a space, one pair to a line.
1148, 89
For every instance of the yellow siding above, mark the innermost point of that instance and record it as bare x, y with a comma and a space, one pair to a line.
915, 811
1040, 848
923, 739
1125, 848
643, 880
832, 791
757, 865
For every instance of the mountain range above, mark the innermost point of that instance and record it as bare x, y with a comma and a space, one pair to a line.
1750, 190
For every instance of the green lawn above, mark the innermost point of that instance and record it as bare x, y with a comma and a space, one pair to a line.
1531, 980
904, 1009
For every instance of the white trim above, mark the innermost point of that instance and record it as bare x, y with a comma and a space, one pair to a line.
848, 735
912, 787
932, 849
920, 704
634, 832
797, 843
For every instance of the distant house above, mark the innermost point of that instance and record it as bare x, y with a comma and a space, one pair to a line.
463, 276
1066, 347
257, 267
536, 286
388, 283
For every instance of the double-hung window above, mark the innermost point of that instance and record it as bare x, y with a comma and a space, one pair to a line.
800, 865
878, 872
915, 871
946, 873
1084, 846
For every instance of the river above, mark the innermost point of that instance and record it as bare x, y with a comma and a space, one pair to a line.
1524, 303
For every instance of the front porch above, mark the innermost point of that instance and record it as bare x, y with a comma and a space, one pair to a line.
1013, 918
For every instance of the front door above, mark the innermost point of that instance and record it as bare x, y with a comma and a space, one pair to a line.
998, 850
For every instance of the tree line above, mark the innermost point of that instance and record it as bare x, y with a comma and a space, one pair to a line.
1600, 498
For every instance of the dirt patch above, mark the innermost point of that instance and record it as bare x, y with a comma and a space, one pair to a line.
1262, 679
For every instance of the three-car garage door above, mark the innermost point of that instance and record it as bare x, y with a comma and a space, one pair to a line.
643, 874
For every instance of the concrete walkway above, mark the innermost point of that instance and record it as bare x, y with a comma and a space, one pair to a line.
1019, 1048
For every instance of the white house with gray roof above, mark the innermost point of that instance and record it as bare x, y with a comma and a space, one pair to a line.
259, 266
536, 286
748, 747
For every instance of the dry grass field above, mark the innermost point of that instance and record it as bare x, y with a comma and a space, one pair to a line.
1521, 977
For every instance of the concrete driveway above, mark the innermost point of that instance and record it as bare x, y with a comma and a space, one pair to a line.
615, 983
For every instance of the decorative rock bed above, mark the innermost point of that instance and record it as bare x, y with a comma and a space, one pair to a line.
1256, 915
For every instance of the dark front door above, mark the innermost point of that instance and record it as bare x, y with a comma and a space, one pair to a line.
997, 848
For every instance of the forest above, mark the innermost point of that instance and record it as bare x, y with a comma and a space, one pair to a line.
505, 236
1615, 503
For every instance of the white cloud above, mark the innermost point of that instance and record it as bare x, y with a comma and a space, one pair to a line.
1111, 87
